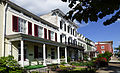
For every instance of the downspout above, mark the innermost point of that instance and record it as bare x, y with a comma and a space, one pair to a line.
4, 27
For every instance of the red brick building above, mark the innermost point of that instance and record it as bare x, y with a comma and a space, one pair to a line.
104, 46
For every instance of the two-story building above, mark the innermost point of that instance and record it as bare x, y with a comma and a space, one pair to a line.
31, 39
104, 46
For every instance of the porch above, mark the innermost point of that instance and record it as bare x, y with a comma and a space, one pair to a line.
30, 50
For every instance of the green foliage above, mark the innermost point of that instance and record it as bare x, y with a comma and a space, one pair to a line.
68, 59
63, 63
92, 10
106, 55
9, 65
34, 67
85, 57
90, 63
80, 70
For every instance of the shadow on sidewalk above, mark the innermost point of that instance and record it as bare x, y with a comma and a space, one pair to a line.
113, 67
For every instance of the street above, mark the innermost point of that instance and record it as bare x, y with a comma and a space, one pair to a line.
114, 67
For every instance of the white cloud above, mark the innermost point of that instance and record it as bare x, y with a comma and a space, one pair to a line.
118, 19
81, 24
40, 7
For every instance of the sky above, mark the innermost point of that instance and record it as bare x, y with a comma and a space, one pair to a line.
95, 31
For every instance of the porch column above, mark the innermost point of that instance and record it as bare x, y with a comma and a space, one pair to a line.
65, 55
22, 53
10, 48
44, 55
82, 54
58, 49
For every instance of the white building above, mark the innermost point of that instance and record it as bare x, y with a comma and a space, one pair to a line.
46, 39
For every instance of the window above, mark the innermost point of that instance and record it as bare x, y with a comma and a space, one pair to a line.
61, 24
52, 35
29, 28
40, 31
52, 53
69, 40
103, 51
49, 33
61, 38
35, 30
56, 37
19, 24
64, 27
71, 30
45, 33
38, 52
68, 29
102, 47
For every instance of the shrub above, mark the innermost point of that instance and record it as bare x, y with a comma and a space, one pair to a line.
68, 59
85, 57
9, 65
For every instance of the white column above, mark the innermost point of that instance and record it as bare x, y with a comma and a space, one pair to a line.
22, 53
58, 49
44, 55
65, 54
10, 48
82, 55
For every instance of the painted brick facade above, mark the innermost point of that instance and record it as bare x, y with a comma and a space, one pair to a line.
104, 46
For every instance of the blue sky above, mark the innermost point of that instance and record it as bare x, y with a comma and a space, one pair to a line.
95, 31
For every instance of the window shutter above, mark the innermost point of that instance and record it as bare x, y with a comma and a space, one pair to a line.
56, 37
45, 33
35, 51
29, 28
49, 32
15, 23
35, 30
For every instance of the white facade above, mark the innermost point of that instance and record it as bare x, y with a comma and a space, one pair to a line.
46, 39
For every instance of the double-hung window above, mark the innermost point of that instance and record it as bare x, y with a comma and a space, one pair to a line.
102, 47
52, 35
40, 31
19, 24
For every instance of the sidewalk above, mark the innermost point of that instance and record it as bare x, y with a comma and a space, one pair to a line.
114, 67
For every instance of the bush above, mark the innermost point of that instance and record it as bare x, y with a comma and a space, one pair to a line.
9, 65
85, 57
68, 59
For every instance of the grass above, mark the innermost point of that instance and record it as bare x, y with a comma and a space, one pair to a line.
77, 68
34, 67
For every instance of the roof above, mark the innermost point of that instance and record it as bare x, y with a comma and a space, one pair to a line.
107, 42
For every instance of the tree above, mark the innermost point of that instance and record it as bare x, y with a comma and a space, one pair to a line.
92, 10
118, 48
